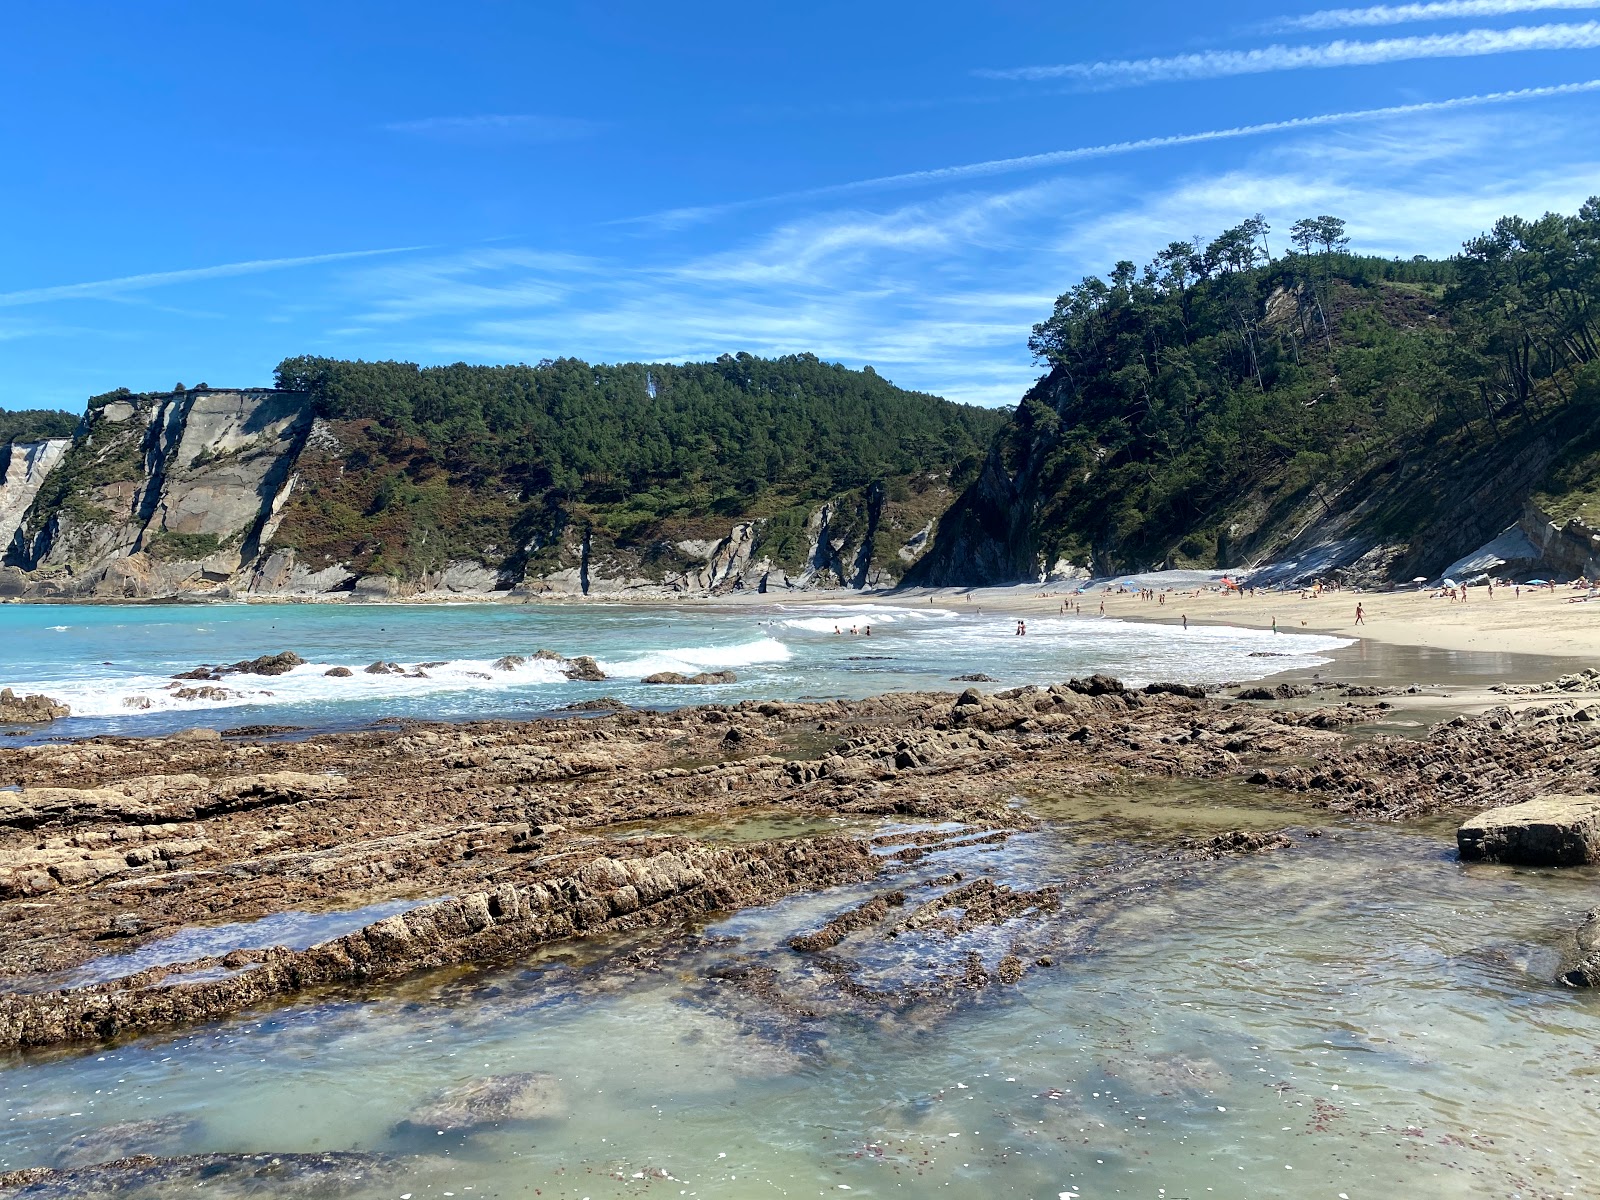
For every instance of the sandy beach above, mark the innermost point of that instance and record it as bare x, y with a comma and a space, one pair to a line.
1536, 622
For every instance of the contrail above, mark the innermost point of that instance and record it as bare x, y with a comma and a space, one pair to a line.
1216, 64
1051, 158
1405, 14
134, 283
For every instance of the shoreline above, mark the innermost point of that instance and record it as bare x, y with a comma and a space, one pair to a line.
1540, 623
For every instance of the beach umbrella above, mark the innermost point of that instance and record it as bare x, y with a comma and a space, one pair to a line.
1537, 582
1450, 583
1420, 579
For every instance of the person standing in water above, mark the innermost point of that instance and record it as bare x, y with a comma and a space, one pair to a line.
1186, 620
1022, 628
1274, 624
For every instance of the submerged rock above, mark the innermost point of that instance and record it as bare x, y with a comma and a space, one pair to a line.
703, 678
978, 678
605, 704
222, 1176
203, 692
523, 1096
1549, 831
32, 709
158, 1135
1583, 968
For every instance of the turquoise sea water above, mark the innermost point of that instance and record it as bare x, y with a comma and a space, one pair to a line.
113, 664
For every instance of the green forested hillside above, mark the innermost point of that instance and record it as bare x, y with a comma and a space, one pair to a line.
34, 424
1207, 407
443, 461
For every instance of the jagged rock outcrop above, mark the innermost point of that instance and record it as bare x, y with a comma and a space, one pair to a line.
31, 709
163, 494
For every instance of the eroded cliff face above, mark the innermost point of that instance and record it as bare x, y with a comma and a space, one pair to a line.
162, 494
24, 467
186, 493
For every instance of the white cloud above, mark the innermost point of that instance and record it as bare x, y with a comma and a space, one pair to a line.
1215, 64
677, 217
499, 127
110, 289
939, 294
1438, 10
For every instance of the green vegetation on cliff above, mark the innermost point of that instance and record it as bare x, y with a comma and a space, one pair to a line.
1207, 408
34, 424
499, 463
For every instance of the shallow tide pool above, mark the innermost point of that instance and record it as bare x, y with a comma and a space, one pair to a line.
1359, 1015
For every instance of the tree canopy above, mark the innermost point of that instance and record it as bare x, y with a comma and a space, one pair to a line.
1220, 377
444, 459
35, 424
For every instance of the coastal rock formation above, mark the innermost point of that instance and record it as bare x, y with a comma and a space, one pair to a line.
23, 469
223, 1176
133, 839
1505, 754
1550, 831
226, 492
703, 678
162, 494
31, 709
583, 669
1586, 680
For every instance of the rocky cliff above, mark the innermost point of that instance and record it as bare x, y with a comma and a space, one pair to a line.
23, 468
233, 492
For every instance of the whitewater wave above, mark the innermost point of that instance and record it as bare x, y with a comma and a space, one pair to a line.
310, 683
689, 660
306, 684
842, 617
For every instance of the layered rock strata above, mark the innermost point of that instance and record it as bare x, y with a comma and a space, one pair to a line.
122, 842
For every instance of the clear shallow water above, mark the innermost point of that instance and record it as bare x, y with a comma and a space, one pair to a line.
110, 662
1360, 1015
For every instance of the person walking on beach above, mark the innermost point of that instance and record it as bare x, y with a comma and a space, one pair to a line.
1361, 615
1102, 606
1274, 624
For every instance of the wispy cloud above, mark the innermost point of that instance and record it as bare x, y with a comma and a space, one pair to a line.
1215, 64
111, 289
499, 128
1439, 10
1055, 158
938, 291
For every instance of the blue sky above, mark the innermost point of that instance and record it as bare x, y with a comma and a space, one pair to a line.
195, 191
